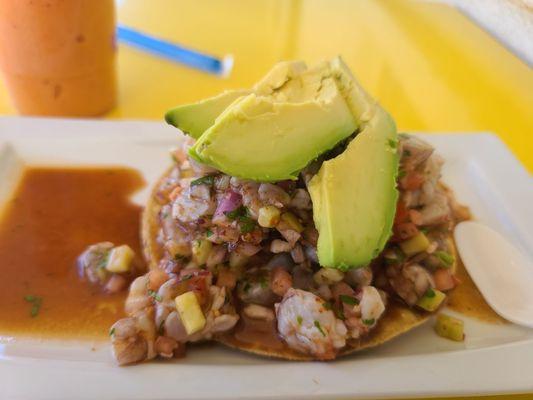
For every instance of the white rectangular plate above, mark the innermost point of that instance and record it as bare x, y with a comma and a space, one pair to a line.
493, 358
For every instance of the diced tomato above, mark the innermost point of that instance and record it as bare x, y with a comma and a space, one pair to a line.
196, 281
443, 279
402, 213
415, 216
404, 231
226, 278
412, 181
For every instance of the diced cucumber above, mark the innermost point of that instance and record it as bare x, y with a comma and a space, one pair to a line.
431, 300
415, 245
450, 327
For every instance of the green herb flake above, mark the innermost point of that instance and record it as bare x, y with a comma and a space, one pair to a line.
401, 173
238, 212
246, 224
407, 153
35, 302
339, 314
317, 325
209, 233
246, 287
445, 258
392, 143
263, 282
299, 319
154, 295
348, 300
185, 277
208, 180
430, 293
369, 321
327, 305
112, 332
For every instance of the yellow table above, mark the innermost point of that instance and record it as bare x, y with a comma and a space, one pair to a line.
431, 67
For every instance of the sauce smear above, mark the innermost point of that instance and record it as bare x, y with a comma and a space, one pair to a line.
54, 215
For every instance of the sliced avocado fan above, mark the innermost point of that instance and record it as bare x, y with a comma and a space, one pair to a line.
288, 119
354, 195
273, 137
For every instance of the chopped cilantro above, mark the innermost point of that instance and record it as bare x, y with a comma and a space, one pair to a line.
246, 287
185, 277
327, 305
241, 211
35, 302
209, 233
208, 180
246, 225
154, 295
112, 332
263, 282
429, 293
242, 215
339, 314
401, 173
348, 300
392, 143
317, 325
369, 321
102, 263
299, 319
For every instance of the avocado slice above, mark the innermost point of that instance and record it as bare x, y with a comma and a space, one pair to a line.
354, 196
194, 119
273, 134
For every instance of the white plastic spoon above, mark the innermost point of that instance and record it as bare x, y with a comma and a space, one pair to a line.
502, 273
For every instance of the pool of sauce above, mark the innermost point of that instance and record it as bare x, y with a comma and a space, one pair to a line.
467, 299
53, 216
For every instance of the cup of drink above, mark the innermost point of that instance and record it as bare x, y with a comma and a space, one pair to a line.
58, 56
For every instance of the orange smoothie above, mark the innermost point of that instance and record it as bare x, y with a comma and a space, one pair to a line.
58, 56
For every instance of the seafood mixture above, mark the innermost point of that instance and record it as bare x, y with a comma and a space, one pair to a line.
235, 248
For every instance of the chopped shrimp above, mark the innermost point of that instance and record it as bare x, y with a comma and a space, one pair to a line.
138, 297
258, 312
280, 246
359, 277
91, 263
367, 313
193, 203
132, 339
301, 200
410, 282
273, 195
280, 281
165, 346
436, 212
414, 151
307, 326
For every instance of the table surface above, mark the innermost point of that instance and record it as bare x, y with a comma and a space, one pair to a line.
427, 63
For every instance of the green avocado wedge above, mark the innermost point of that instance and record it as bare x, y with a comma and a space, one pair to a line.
354, 196
272, 137
194, 119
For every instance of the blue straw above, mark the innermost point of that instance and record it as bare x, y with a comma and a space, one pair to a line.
174, 52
